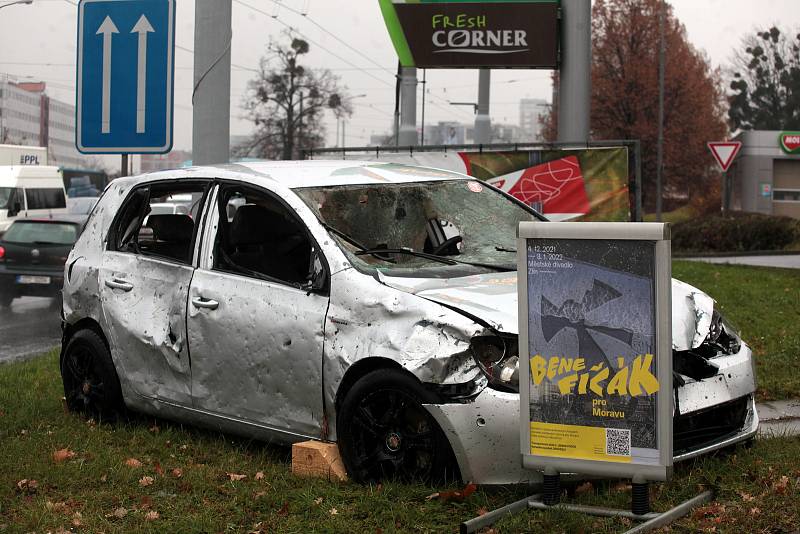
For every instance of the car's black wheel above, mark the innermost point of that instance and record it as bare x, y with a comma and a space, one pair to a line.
91, 385
5, 299
384, 432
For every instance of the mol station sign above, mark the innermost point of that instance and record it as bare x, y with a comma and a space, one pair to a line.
470, 34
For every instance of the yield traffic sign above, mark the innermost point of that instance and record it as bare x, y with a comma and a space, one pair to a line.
125, 76
725, 152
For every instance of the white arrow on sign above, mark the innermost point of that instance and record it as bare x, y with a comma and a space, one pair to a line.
142, 27
107, 28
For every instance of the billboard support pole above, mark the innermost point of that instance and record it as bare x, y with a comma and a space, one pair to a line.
408, 107
483, 123
576, 72
124, 165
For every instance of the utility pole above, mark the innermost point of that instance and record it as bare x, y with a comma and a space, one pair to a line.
408, 107
660, 148
483, 122
575, 86
211, 97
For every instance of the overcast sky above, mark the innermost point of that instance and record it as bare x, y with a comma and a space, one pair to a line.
39, 41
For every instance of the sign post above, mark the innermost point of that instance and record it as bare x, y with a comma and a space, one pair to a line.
724, 153
125, 76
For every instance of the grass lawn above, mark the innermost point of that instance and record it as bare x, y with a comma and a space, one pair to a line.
765, 304
188, 481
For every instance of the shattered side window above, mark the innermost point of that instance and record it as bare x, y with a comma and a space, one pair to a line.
461, 220
160, 220
259, 237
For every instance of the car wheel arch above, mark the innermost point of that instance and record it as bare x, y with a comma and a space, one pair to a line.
87, 323
360, 369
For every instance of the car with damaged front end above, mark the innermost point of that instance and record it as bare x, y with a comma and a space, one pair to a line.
369, 304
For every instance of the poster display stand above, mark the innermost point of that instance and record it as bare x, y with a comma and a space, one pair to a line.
596, 396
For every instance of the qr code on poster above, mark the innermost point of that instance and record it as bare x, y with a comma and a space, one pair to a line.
618, 442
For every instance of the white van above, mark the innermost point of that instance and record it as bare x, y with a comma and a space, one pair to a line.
30, 191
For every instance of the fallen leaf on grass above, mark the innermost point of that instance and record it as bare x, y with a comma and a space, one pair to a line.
158, 470
119, 513
259, 494
781, 485
103, 478
133, 462
333, 511
482, 511
583, 488
318, 501
27, 485
746, 497
152, 515
259, 475
755, 510
177, 472
77, 519
56, 507
62, 455
154, 429
234, 477
284, 511
145, 481
455, 496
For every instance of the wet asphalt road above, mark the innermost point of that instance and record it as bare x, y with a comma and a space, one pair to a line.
29, 327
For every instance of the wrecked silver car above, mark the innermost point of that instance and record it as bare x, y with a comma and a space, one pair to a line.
372, 305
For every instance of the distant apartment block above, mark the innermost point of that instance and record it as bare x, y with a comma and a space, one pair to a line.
28, 116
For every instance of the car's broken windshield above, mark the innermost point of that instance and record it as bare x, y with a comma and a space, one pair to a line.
461, 220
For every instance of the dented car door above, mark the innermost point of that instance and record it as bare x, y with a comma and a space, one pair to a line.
255, 332
144, 284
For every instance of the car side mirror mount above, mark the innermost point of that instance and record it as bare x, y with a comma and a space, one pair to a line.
316, 273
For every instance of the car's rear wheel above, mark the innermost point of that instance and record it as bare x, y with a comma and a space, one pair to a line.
5, 300
384, 432
91, 385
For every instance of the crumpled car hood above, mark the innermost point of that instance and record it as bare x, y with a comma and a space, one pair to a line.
493, 298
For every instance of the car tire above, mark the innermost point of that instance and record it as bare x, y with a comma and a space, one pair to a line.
384, 432
5, 300
91, 385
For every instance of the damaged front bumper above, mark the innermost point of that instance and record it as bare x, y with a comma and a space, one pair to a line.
711, 414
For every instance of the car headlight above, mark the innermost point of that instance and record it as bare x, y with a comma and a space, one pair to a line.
723, 334
498, 358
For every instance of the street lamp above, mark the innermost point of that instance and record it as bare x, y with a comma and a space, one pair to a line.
344, 122
15, 2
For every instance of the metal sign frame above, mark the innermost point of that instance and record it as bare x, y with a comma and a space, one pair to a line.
658, 234
163, 129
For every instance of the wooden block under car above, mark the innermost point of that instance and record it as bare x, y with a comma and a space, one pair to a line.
318, 459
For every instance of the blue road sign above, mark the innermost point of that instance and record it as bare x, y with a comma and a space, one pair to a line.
125, 76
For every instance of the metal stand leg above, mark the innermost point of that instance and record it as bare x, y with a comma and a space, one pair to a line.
552, 489
640, 498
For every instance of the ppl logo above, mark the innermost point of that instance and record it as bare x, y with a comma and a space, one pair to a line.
29, 159
790, 142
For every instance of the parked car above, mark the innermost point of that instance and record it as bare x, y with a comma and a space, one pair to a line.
30, 191
32, 256
372, 305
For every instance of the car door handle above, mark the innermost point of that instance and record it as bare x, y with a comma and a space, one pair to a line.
116, 283
200, 302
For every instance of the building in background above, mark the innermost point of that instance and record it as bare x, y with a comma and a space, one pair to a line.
531, 110
765, 177
29, 117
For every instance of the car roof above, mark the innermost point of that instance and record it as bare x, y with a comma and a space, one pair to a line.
315, 173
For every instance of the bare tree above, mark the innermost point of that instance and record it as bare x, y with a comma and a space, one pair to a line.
287, 101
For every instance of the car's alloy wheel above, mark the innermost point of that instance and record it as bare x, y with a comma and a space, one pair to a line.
385, 432
91, 386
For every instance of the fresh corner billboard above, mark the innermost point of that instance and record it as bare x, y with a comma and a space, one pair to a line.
598, 396
473, 34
